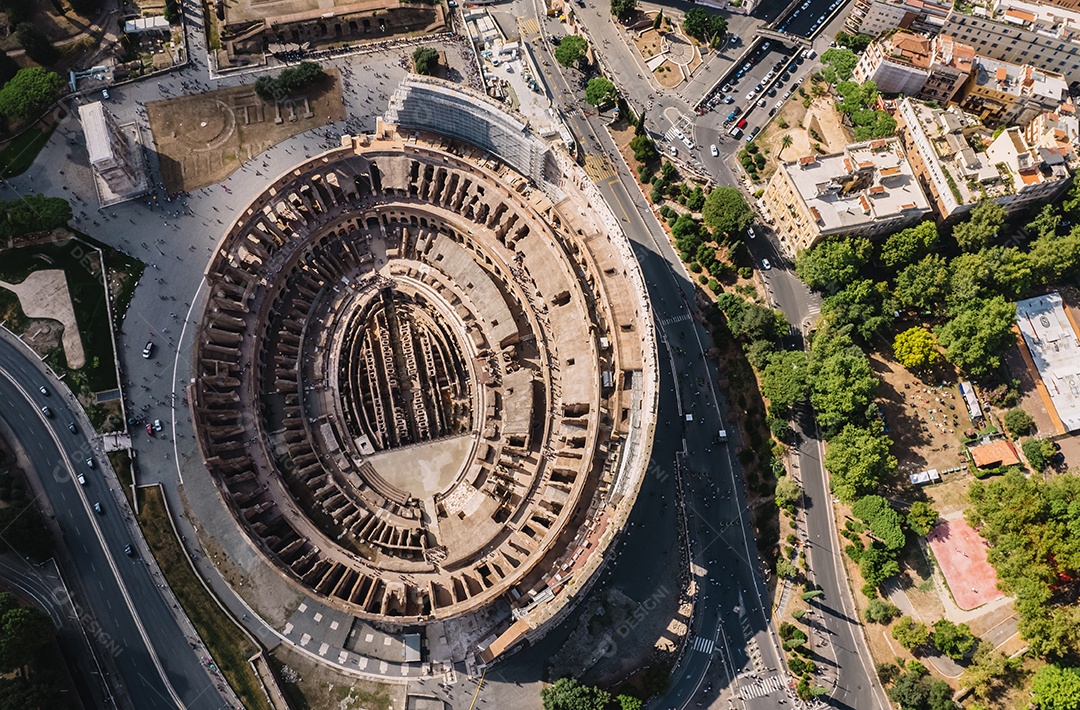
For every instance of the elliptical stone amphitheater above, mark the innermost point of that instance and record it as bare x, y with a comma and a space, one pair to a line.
425, 382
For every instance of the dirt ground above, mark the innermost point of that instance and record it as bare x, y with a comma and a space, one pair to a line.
319, 687
668, 75
648, 42
203, 138
822, 116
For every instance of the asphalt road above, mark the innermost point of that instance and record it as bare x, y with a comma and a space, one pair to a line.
157, 666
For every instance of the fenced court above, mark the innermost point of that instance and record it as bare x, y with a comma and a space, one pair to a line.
961, 554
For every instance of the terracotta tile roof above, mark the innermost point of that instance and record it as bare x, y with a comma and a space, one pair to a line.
996, 453
1020, 15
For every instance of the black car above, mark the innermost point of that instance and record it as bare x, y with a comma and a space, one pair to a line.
129, 551
72, 428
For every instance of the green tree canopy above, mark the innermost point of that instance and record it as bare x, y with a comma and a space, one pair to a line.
784, 380
571, 50
1018, 422
599, 91
839, 64
864, 305
23, 632
856, 43
915, 348
877, 564
1039, 453
1046, 223
976, 336
859, 461
37, 44
701, 24
289, 80
623, 10
989, 672
842, 383
954, 640
884, 522
726, 211
750, 321
30, 90
425, 60
787, 492
880, 611
981, 227
1056, 687
909, 244
910, 634
570, 694
921, 518
923, 286
834, 263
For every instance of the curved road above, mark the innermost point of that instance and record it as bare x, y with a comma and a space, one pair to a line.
123, 608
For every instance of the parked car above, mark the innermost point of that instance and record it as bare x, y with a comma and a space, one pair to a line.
712, 149
741, 124
157, 425
729, 99
148, 349
149, 429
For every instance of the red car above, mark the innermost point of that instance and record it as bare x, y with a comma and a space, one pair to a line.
149, 429
741, 124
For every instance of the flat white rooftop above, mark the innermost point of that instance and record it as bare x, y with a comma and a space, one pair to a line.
1054, 345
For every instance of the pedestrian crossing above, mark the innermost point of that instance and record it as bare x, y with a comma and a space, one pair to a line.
529, 26
766, 686
675, 319
597, 167
705, 645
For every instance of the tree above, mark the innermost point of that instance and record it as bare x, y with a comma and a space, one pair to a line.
880, 611
882, 520
842, 383
1056, 687
33, 213
786, 142
571, 50
425, 60
986, 220
787, 492
172, 11
910, 634
909, 244
658, 21
31, 89
23, 632
37, 45
975, 337
785, 568
921, 518
644, 149
726, 211
833, 264
922, 286
954, 640
290, 80
859, 461
629, 702
839, 64
1039, 453
8, 68
876, 564
570, 694
1046, 223
989, 671
856, 43
749, 321
784, 380
623, 10
864, 305
915, 348
599, 91
703, 25
1018, 422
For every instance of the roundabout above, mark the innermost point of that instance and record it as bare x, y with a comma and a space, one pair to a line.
422, 385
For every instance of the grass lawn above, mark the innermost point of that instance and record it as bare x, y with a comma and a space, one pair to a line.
19, 153
121, 463
227, 643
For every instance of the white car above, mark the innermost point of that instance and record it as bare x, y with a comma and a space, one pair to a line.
750, 232
689, 143
148, 350
751, 95
714, 151
765, 265
81, 479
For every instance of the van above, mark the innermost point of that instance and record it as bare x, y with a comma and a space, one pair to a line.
735, 132
809, 54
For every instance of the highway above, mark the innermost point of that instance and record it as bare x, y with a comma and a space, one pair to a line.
119, 602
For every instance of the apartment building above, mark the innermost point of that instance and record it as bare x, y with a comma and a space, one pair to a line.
869, 189
1001, 93
875, 17
958, 161
1056, 131
907, 63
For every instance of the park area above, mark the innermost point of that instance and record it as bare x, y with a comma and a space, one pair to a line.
204, 138
814, 129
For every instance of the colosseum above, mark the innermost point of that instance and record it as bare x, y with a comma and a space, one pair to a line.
426, 372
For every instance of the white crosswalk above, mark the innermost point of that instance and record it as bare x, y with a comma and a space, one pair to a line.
705, 645
675, 319
769, 685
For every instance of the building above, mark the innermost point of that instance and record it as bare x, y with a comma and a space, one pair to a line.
1056, 131
898, 63
1004, 94
1052, 338
907, 63
958, 162
994, 453
875, 17
869, 189
116, 155
1042, 34
951, 63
